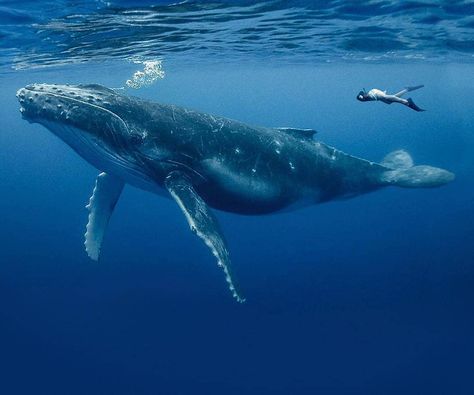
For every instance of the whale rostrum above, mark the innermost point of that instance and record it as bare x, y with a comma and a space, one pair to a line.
203, 161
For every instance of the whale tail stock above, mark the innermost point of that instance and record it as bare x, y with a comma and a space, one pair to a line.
401, 172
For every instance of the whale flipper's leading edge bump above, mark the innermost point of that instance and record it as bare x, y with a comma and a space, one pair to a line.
202, 222
101, 205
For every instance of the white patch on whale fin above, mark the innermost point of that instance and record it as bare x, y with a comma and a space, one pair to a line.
101, 205
296, 132
399, 159
203, 223
402, 173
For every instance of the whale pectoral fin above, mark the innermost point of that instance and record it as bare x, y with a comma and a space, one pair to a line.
202, 222
101, 205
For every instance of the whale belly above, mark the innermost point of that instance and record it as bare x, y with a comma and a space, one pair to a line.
241, 190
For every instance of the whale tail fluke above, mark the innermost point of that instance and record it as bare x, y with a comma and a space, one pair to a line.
401, 172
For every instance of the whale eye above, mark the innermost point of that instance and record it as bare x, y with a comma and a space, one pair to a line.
136, 139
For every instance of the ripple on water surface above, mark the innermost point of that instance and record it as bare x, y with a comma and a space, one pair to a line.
36, 34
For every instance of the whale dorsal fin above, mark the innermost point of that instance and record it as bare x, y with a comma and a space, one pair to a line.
303, 133
202, 222
101, 205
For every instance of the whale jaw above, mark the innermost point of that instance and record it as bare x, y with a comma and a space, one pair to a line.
83, 117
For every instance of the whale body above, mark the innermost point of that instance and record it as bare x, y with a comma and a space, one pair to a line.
204, 161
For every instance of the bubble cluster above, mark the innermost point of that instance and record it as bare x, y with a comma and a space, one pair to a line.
152, 71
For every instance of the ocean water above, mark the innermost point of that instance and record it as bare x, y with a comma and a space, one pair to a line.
373, 295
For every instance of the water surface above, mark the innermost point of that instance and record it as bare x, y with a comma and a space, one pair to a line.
368, 296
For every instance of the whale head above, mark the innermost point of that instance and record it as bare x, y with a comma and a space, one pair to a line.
99, 124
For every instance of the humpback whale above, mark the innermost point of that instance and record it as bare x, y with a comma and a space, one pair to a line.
203, 161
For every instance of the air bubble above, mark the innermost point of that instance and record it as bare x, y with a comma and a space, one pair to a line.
152, 71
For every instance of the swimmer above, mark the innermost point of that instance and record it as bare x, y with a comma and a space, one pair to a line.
378, 95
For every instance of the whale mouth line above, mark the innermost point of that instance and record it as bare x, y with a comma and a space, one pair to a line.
67, 112
31, 110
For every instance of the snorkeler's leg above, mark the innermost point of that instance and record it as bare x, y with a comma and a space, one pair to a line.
408, 89
401, 93
389, 99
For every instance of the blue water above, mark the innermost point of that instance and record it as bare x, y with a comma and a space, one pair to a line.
373, 295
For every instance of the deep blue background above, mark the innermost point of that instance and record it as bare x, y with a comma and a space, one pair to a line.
369, 296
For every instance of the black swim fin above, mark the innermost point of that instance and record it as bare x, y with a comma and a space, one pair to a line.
413, 106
